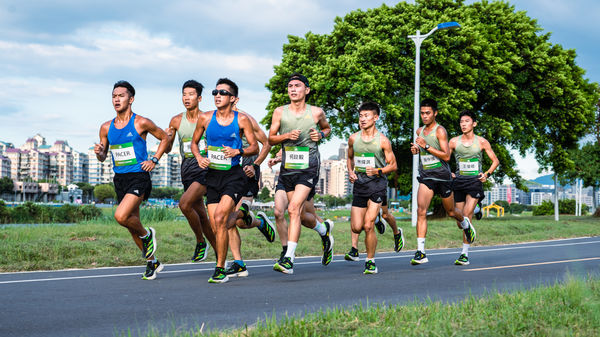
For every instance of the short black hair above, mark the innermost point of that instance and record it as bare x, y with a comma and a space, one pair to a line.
126, 85
298, 76
429, 102
230, 83
193, 84
468, 113
371, 106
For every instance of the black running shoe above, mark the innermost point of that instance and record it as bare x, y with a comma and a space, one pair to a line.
283, 251
479, 213
284, 265
462, 260
419, 258
370, 268
200, 252
152, 268
379, 225
236, 270
219, 276
327, 240
398, 241
247, 215
352, 255
470, 233
149, 243
268, 229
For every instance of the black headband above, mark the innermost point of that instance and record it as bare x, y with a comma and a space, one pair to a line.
300, 78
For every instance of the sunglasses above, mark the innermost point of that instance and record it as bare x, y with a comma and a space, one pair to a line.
221, 92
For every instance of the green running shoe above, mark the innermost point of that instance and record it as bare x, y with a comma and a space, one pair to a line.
327, 240
236, 270
284, 265
149, 243
247, 215
219, 276
200, 252
152, 268
470, 233
462, 260
370, 268
419, 258
398, 241
267, 229
352, 255
379, 225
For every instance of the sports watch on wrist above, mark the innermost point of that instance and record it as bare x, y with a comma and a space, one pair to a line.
154, 160
427, 146
241, 152
380, 172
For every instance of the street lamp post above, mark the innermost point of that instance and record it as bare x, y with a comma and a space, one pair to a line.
418, 39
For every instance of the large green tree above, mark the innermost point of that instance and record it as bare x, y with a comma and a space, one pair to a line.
529, 94
104, 191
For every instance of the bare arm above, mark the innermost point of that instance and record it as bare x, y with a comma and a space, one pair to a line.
485, 145
198, 132
248, 132
323, 125
147, 125
170, 131
350, 161
274, 136
390, 158
262, 138
444, 152
414, 148
101, 149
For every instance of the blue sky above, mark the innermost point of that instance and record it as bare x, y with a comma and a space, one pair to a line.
59, 59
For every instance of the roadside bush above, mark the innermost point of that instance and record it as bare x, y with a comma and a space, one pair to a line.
546, 208
517, 208
30, 212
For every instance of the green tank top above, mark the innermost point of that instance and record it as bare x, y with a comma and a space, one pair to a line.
185, 133
430, 166
302, 153
367, 154
468, 158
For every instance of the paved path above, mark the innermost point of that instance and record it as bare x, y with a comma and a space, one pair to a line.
102, 302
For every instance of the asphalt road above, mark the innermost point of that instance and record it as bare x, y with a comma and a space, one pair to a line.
108, 301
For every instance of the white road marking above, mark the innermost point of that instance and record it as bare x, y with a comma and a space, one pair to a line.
532, 264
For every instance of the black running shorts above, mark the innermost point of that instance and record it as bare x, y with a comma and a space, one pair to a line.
439, 187
463, 186
251, 187
136, 183
191, 173
220, 183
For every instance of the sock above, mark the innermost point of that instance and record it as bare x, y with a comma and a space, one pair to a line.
466, 249
240, 262
291, 250
145, 236
284, 248
421, 245
477, 209
320, 228
465, 223
372, 260
153, 261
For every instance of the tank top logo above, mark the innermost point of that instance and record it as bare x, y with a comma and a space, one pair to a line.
468, 167
217, 159
123, 154
296, 157
363, 160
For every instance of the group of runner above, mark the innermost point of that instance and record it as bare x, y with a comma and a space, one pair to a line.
221, 160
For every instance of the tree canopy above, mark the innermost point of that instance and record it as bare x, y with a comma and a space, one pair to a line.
528, 93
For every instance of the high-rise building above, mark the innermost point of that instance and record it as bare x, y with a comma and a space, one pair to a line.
343, 151
337, 177
99, 172
4, 166
80, 167
268, 179
167, 173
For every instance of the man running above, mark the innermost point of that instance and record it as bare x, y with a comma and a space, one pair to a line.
193, 177
434, 176
370, 159
243, 216
225, 180
468, 184
294, 126
125, 135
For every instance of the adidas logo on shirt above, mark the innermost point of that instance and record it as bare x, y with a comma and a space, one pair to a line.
233, 135
129, 134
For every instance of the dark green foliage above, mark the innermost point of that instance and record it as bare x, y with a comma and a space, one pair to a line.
104, 191
6, 185
30, 212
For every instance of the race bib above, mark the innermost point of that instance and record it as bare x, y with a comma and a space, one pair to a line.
430, 161
217, 159
468, 167
187, 147
363, 160
296, 157
123, 154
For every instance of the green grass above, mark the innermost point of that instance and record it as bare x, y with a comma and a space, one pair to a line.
565, 309
105, 243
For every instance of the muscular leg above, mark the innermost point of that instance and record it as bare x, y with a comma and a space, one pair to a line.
391, 220
127, 215
192, 207
295, 208
218, 214
235, 241
452, 211
281, 204
423, 200
369, 224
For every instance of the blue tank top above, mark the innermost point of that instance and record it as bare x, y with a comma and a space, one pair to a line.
127, 147
218, 136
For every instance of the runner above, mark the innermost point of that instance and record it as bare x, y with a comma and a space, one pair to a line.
384, 217
468, 184
192, 176
294, 126
370, 159
434, 176
225, 180
243, 216
125, 135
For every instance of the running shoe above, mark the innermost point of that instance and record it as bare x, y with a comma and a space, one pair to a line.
370, 268
419, 258
219, 276
200, 252
152, 268
352, 255
236, 270
470, 233
283, 251
327, 240
267, 227
149, 243
478, 211
284, 265
462, 260
379, 225
398, 241
247, 215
